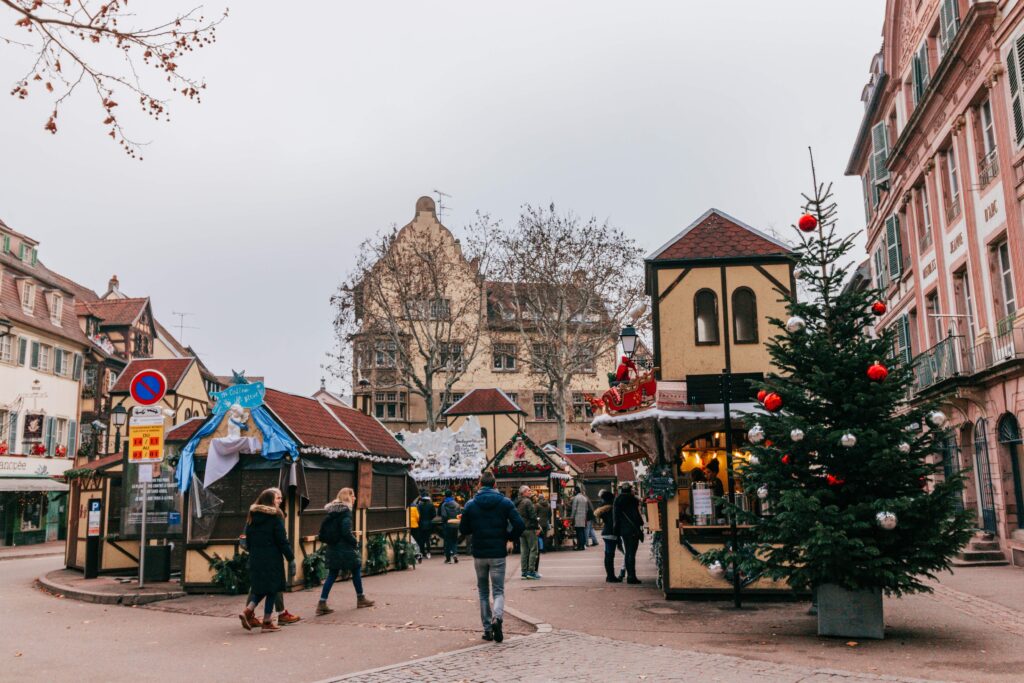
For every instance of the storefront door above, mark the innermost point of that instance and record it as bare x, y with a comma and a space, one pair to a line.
1009, 438
983, 470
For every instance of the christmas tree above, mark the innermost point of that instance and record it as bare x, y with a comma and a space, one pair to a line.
842, 462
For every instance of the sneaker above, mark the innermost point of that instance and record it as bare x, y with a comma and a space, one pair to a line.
613, 579
287, 617
525, 576
496, 631
447, 560
535, 575
487, 636
622, 574
428, 556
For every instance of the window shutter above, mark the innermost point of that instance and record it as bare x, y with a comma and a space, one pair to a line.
22, 350
1014, 72
880, 152
5, 243
892, 241
904, 337
48, 426
35, 356
76, 370
35, 256
58, 361
949, 23
72, 438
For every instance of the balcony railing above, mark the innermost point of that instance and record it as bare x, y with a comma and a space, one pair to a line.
988, 168
954, 357
952, 210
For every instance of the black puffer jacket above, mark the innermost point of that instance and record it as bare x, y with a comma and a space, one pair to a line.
268, 549
628, 521
607, 519
491, 519
343, 555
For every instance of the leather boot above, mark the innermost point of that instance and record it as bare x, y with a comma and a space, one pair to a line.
322, 608
363, 601
246, 618
269, 626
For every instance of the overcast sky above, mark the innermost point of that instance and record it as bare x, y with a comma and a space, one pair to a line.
325, 124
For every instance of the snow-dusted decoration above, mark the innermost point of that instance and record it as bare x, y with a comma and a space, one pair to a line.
937, 419
797, 434
755, 434
848, 440
447, 454
753, 459
886, 520
904, 447
796, 324
716, 570
333, 453
762, 492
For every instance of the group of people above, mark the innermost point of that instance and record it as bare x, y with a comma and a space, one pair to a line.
422, 517
267, 543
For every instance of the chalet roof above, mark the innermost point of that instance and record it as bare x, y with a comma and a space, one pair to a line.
169, 339
484, 402
316, 424
10, 301
174, 369
114, 312
716, 234
184, 431
552, 459
584, 464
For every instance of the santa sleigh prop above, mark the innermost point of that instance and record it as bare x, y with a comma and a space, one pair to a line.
637, 392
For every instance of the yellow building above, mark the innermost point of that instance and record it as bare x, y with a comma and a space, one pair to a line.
497, 363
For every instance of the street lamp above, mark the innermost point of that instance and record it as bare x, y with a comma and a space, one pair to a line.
5, 327
118, 416
628, 340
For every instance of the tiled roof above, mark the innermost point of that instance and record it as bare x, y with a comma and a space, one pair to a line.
484, 402
185, 430
10, 301
105, 461
716, 234
172, 368
584, 464
170, 339
315, 424
115, 312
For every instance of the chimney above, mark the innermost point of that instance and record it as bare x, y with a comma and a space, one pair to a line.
112, 285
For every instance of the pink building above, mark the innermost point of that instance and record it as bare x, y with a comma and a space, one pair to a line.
940, 154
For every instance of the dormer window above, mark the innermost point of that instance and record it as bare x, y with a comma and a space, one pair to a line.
27, 254
28, 297
56, 309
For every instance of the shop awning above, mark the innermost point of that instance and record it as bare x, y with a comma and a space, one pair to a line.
31, 484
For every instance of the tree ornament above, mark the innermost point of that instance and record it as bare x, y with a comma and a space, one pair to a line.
848, 440
937, 419
772, 402
786, 459
807, 222
886, 520
796, 324
904, 447
768, 443
762, 492
755, 434
796, 434
833, 480
753, 459
879, 308
760, 396
877, 372
716, 570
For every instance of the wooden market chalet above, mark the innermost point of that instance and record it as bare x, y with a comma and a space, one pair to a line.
308, 447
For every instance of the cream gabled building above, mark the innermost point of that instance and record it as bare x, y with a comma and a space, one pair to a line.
497, 363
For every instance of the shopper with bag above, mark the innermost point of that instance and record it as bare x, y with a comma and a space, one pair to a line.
268, 549
343, 549
628, 526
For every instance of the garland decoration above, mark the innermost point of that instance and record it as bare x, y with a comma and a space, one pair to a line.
334, 453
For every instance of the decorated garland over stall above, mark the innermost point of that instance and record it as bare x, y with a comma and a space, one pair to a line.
522, 468
334, 453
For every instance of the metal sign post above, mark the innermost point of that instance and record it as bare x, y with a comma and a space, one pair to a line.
145, 447
142, 533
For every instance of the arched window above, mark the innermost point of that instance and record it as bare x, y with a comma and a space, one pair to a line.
744, 316
705, 314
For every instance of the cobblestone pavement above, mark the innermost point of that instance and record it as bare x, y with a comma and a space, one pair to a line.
558, 656
993, 614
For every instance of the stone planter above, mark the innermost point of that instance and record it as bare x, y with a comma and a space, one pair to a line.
850, 614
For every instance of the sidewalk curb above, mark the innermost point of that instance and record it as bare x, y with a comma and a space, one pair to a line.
50, 586
30, 556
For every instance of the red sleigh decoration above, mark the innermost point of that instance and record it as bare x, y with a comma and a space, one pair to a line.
638, 392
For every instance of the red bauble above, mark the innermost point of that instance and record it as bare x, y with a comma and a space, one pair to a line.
760, 396
878, 308
877, 372
807, 222
768, 443
833, 480
773, 402
786, 459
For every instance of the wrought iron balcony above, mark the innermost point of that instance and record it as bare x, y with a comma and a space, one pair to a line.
988, 168
951, 357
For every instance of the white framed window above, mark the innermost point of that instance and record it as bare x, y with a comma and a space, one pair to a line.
4, 426
43, 359
504, 358
543, 408
111, 380
389, 405
949, 24
60, 431
385, 354
988, 128
881, 271
6, 349
954, 177
1006, 279
56, 309
926, 210
89, 380
513, 396
451, 356
28, 297
581, 408
934, 320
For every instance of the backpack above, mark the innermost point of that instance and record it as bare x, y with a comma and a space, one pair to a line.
329, 532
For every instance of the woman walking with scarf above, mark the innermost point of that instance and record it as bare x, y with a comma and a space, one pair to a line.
342, 549
268, 548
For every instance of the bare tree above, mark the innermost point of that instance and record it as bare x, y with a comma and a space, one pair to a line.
102, 44
566, 286
410, 314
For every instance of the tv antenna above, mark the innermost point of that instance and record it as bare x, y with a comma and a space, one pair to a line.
182, 326
441, 207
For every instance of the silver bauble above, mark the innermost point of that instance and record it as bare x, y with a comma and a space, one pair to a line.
796, 324
886, 520
753, 459
755, 434
762, 492
848, 440
937, 419
904, 448
797, 434
716, 570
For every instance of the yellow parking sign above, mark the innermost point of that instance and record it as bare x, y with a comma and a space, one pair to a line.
145, 443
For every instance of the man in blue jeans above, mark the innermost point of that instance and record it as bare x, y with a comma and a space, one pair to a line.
493, 522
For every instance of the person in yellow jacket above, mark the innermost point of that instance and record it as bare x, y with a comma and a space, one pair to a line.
414, 529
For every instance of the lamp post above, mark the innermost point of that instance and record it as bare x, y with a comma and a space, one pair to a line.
118, 416
628, 338
5, 327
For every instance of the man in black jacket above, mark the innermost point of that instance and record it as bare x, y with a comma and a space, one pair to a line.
427, 512
493, 522
629, 526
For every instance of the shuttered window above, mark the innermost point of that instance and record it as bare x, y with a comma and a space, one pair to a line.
904, 353
921, 73
881, 272
1014, 72
879, 152
894, 246
949, 24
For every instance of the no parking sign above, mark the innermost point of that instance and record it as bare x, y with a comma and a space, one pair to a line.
148, 387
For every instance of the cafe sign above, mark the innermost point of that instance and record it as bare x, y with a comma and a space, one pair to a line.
29, 467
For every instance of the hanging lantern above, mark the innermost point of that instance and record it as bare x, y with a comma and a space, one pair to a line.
886, 520
755, 434
807, 222
796, 434
796, 324
937, 419
903, 448
773, 401
879, 308
848, 440
877, 372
